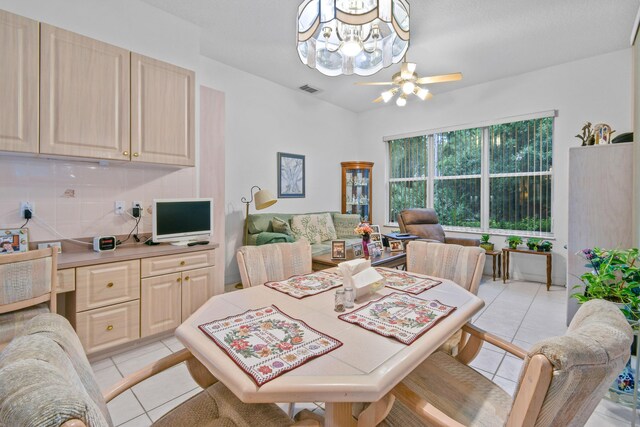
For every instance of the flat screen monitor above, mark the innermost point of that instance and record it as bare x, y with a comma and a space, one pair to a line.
180, 221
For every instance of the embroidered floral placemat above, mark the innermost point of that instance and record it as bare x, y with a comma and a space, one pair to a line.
266, 343
307, 285
400, 316
406, 282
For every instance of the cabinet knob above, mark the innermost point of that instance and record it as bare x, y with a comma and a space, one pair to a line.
135, 154
182, 263
179, 279
125, 153
110, 328
186, 278
110, 285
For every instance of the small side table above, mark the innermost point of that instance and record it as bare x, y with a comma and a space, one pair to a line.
496, 255
506, 254
404, 238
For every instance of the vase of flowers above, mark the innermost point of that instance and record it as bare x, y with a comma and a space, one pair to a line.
365, 231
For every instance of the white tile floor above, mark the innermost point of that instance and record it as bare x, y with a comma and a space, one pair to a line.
520, 312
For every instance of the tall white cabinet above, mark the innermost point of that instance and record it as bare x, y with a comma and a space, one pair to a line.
600, 200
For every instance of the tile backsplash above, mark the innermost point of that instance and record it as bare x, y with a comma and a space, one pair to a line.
76, 198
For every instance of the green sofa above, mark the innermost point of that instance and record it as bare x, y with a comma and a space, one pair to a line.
319, 228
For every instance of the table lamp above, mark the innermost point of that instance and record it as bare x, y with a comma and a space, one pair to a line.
263, 199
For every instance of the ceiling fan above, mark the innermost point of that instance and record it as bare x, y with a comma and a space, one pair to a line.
407, 82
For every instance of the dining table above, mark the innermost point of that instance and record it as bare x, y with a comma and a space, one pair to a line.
365, 368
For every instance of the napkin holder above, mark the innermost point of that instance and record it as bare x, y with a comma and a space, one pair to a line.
350, 268
366, 282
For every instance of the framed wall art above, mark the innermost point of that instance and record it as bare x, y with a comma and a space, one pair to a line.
14, 240
291, 176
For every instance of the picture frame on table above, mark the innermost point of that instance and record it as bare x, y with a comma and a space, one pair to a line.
291, 179
396, 245
14, 240
358, 250
376, 237
338, 249
375, 228
375, 249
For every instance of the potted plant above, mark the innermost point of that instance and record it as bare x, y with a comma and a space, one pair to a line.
545, 246
484, 242
514, 241
533, 243
615, 277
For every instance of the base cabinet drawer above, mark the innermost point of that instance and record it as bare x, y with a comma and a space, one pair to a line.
107, 284
66, 280
106, 327
175, 263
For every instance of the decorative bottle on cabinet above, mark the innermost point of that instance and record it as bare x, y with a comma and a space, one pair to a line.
356, 189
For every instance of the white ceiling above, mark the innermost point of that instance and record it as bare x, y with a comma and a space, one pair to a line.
484, 39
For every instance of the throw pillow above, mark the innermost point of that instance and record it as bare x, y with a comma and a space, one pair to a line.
280, 226
345, 223
315, 228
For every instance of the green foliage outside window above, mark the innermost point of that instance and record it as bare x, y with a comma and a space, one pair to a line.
521, 202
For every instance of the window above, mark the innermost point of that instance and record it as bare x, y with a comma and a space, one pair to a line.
456, 181
493, 178
408, 174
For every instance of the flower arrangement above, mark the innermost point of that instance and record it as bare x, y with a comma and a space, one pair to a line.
615, 277
363, 229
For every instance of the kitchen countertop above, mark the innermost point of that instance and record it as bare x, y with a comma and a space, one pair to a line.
79, 257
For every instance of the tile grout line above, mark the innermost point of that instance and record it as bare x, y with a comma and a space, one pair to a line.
177, 397
132, 392
516, 333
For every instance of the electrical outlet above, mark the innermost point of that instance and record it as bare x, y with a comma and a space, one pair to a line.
26, 206
51, 245
119, 207
137, 204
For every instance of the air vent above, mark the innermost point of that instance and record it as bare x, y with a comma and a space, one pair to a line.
309, 89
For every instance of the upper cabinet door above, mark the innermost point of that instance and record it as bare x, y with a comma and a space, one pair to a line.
162, 104
84, 90
18, 83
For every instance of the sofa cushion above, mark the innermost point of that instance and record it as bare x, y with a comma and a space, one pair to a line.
345, 223
315, 228
280, 226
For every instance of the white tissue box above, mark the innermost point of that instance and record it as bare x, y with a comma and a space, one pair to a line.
367, 282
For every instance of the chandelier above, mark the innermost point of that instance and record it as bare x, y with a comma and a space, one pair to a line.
352, 36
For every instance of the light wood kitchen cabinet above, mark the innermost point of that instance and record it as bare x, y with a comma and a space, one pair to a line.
109, 326
173, 287
19, 46
107, 284
160, 304
163, 117
196, 290
84, 93
66, 280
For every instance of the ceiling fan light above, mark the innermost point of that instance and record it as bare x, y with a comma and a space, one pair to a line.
408, 87
407, 69
387, 95
421, 93
401, 101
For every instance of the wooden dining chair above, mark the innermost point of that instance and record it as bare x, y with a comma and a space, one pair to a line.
462, 265
277, 261
47, 381
27, 288
561, 382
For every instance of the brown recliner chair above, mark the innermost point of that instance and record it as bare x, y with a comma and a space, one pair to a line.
424, 223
